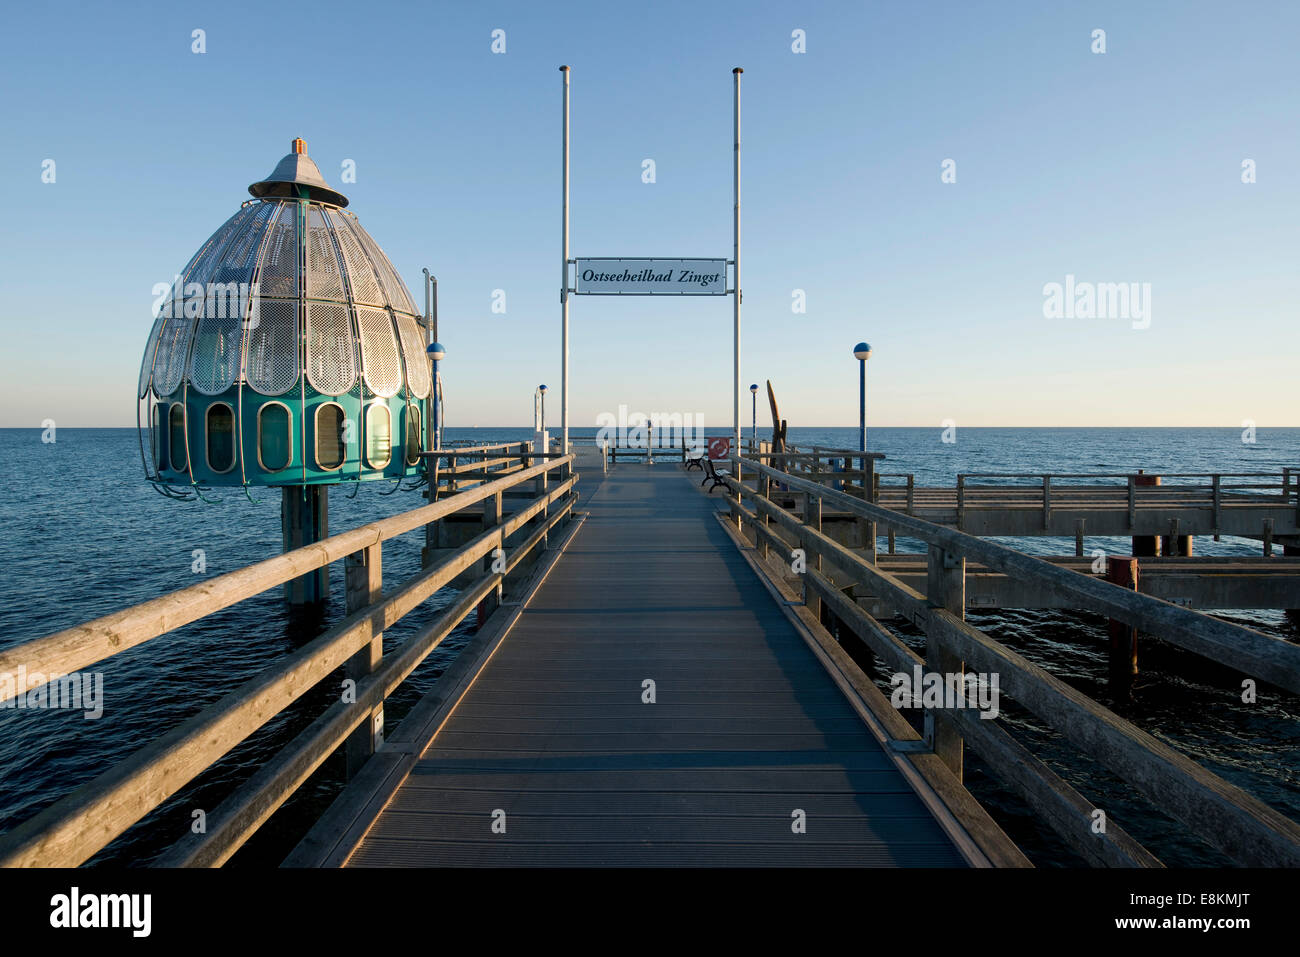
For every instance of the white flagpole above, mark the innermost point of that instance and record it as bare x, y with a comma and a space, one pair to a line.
735, 398
564, 282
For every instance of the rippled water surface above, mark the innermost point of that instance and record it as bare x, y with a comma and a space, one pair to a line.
84, 535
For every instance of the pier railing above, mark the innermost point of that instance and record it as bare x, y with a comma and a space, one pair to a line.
1223, 815
83, 822
455, 468
1208, 490
847, 470
1259, 505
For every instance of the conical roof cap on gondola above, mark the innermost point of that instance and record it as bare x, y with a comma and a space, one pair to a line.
297, 177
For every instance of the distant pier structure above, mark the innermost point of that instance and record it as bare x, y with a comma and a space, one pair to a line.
287, 354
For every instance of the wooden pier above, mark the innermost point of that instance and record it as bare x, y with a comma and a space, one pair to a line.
651, 705
656, 680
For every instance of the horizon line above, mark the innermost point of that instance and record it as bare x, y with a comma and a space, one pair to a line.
745, 429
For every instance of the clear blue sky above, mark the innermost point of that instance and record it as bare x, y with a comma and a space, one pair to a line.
1122, 167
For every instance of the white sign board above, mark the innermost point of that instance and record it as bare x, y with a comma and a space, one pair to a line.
650, 277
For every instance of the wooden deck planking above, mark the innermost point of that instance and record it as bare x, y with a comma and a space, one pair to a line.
746, 728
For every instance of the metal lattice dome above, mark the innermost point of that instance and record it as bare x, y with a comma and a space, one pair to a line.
290, 304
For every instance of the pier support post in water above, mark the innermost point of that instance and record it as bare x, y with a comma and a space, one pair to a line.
1146, 546
1123, 636
1292, 551
304, 520
1174, 545
945, 588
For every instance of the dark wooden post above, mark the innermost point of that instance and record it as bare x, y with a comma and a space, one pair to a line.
431, 495
945, 588
1144, 546
1175, 545
1123, 636
305, 520
364, 575
1292, 613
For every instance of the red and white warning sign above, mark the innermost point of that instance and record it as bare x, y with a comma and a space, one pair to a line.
720, 448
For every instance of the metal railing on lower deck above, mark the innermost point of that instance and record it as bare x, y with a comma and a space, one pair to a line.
83, 822
1220, 813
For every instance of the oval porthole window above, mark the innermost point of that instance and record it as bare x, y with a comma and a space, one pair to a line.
176, 437
413, 443
329, 436
221, 437
159, 437
274, 437
379, 435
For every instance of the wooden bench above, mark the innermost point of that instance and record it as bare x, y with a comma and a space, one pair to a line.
695, 459
718, 477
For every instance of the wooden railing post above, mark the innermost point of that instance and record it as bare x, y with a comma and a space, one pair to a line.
567, 472
431, 494
1297, 499
945, 588
1218, 489
961, 503
540, 486
869, 494
364, 574
812, 517
491, 518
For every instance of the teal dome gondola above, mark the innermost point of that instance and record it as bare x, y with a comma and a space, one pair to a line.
288, 351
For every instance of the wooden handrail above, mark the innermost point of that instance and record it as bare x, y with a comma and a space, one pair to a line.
82, 645
1221, 813
83, 822
241, 813
1270, 659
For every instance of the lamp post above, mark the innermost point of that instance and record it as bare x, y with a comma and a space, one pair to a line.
430, 324
436, 354
541, 392
862, 352
753, 429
